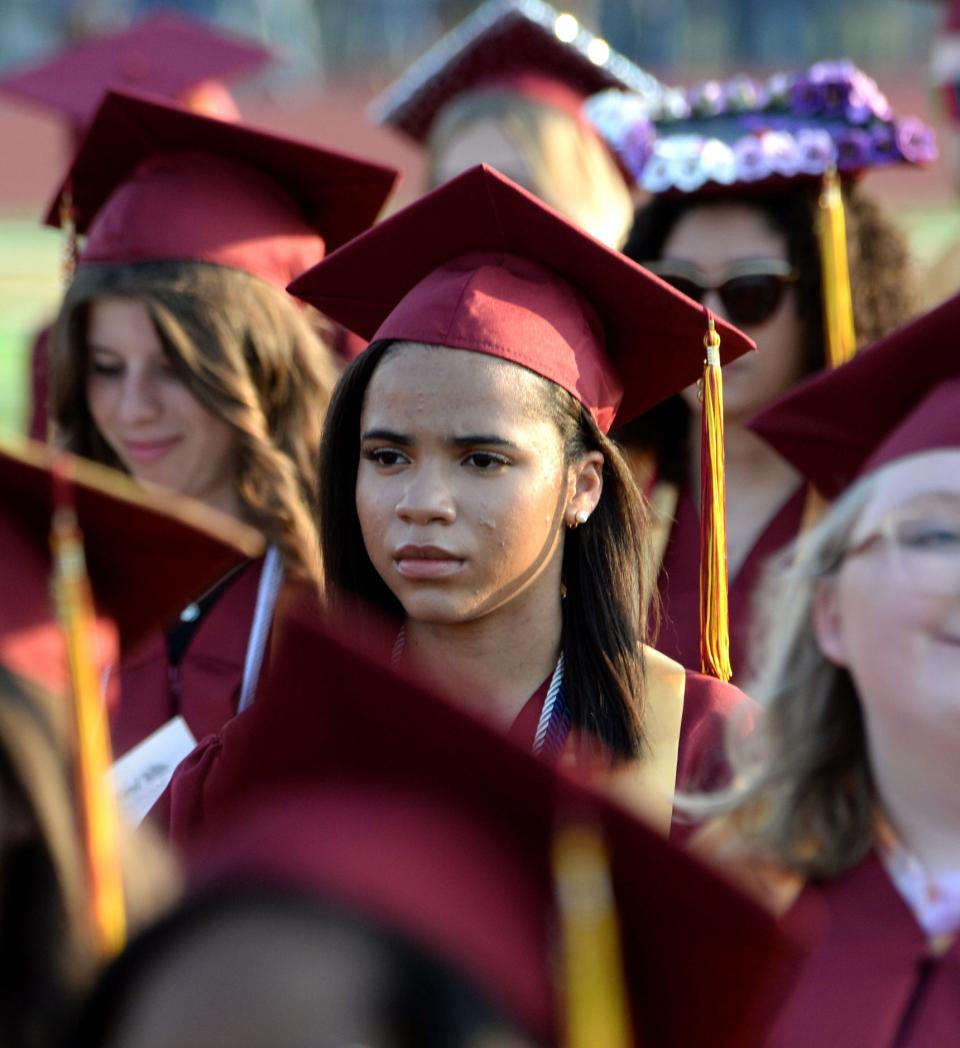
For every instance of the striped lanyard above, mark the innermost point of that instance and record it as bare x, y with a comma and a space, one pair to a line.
554, 724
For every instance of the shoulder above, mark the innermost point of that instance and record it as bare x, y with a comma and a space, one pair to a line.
713, 713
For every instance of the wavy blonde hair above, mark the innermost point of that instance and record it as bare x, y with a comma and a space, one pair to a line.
570, 168
803, 794
247, 353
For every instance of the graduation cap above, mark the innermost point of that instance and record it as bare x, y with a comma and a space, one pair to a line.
374, 792
168, 55
817, 126
899, 399
480, 264
525, 45
147, 554
154, 180
59, 514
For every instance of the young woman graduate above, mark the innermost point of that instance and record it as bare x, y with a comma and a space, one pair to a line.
748, 216
846, 814
506, 88
468, 489
71, 881
180, 359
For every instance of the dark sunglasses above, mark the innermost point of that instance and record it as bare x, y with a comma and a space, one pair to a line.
750, 293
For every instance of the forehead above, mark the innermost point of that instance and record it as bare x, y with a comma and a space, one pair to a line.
929, 476
437, 385
121, 323
714, 234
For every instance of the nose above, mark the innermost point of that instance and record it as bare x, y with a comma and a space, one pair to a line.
427, 498
140, 399
712, 301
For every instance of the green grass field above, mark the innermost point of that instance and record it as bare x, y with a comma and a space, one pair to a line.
30, 288
31, 284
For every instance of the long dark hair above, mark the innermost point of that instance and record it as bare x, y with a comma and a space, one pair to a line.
880, 282
606, 563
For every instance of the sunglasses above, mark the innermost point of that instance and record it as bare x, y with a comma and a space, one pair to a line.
750, 293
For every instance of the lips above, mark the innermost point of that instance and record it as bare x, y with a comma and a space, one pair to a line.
426, 562
149, 450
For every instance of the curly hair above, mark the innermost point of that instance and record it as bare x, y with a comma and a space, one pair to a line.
247, 353
881, 282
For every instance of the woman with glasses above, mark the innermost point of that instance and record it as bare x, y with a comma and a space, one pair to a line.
846, 812
734, 223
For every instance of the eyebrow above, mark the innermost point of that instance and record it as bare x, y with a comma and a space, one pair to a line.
468, 440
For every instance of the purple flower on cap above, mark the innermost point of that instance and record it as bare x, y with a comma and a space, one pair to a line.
815, 150
707, 99
743, 94
917, 142
750, 160
637, 145
854, 149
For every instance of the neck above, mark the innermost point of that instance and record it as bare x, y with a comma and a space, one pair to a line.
758, 482
505, 656
920, 797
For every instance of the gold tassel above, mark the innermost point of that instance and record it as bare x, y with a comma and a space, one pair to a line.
714, 616
98, 806
595, 1009
68, 223
837, 299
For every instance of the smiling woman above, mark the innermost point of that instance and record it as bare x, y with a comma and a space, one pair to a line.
179, 358
845, 815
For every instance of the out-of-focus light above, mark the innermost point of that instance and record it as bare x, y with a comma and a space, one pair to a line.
598, 51
566, 28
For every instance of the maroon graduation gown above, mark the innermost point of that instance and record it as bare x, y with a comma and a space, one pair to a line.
871, 978
205, 686
679, 582
199, 791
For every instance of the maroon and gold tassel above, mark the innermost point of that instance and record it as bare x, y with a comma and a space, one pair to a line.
68, 223
835, 271
98, 806
594, 1006
714, 617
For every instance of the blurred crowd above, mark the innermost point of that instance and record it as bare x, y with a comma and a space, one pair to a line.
527, 616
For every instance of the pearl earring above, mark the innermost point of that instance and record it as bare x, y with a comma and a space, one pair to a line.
582, 516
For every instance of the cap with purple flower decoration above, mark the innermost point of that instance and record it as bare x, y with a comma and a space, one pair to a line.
758, 133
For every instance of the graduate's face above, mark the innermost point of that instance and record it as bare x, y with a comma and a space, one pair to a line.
155, 425
463, 490
892, 613
721, 241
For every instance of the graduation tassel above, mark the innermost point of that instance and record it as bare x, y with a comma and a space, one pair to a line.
714, 621
98, 808
68, 223
837, 299
594, 1008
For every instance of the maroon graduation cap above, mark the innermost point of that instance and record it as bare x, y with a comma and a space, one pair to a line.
154, 180
523, 45
167, 55
481, 264
359, 784
147, 555
899, 398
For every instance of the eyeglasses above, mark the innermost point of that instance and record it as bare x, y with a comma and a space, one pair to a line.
750, 293
926, 548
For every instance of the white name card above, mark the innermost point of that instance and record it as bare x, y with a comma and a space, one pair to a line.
141, 775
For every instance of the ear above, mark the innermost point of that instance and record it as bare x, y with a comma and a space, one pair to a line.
828, 622
586, 487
